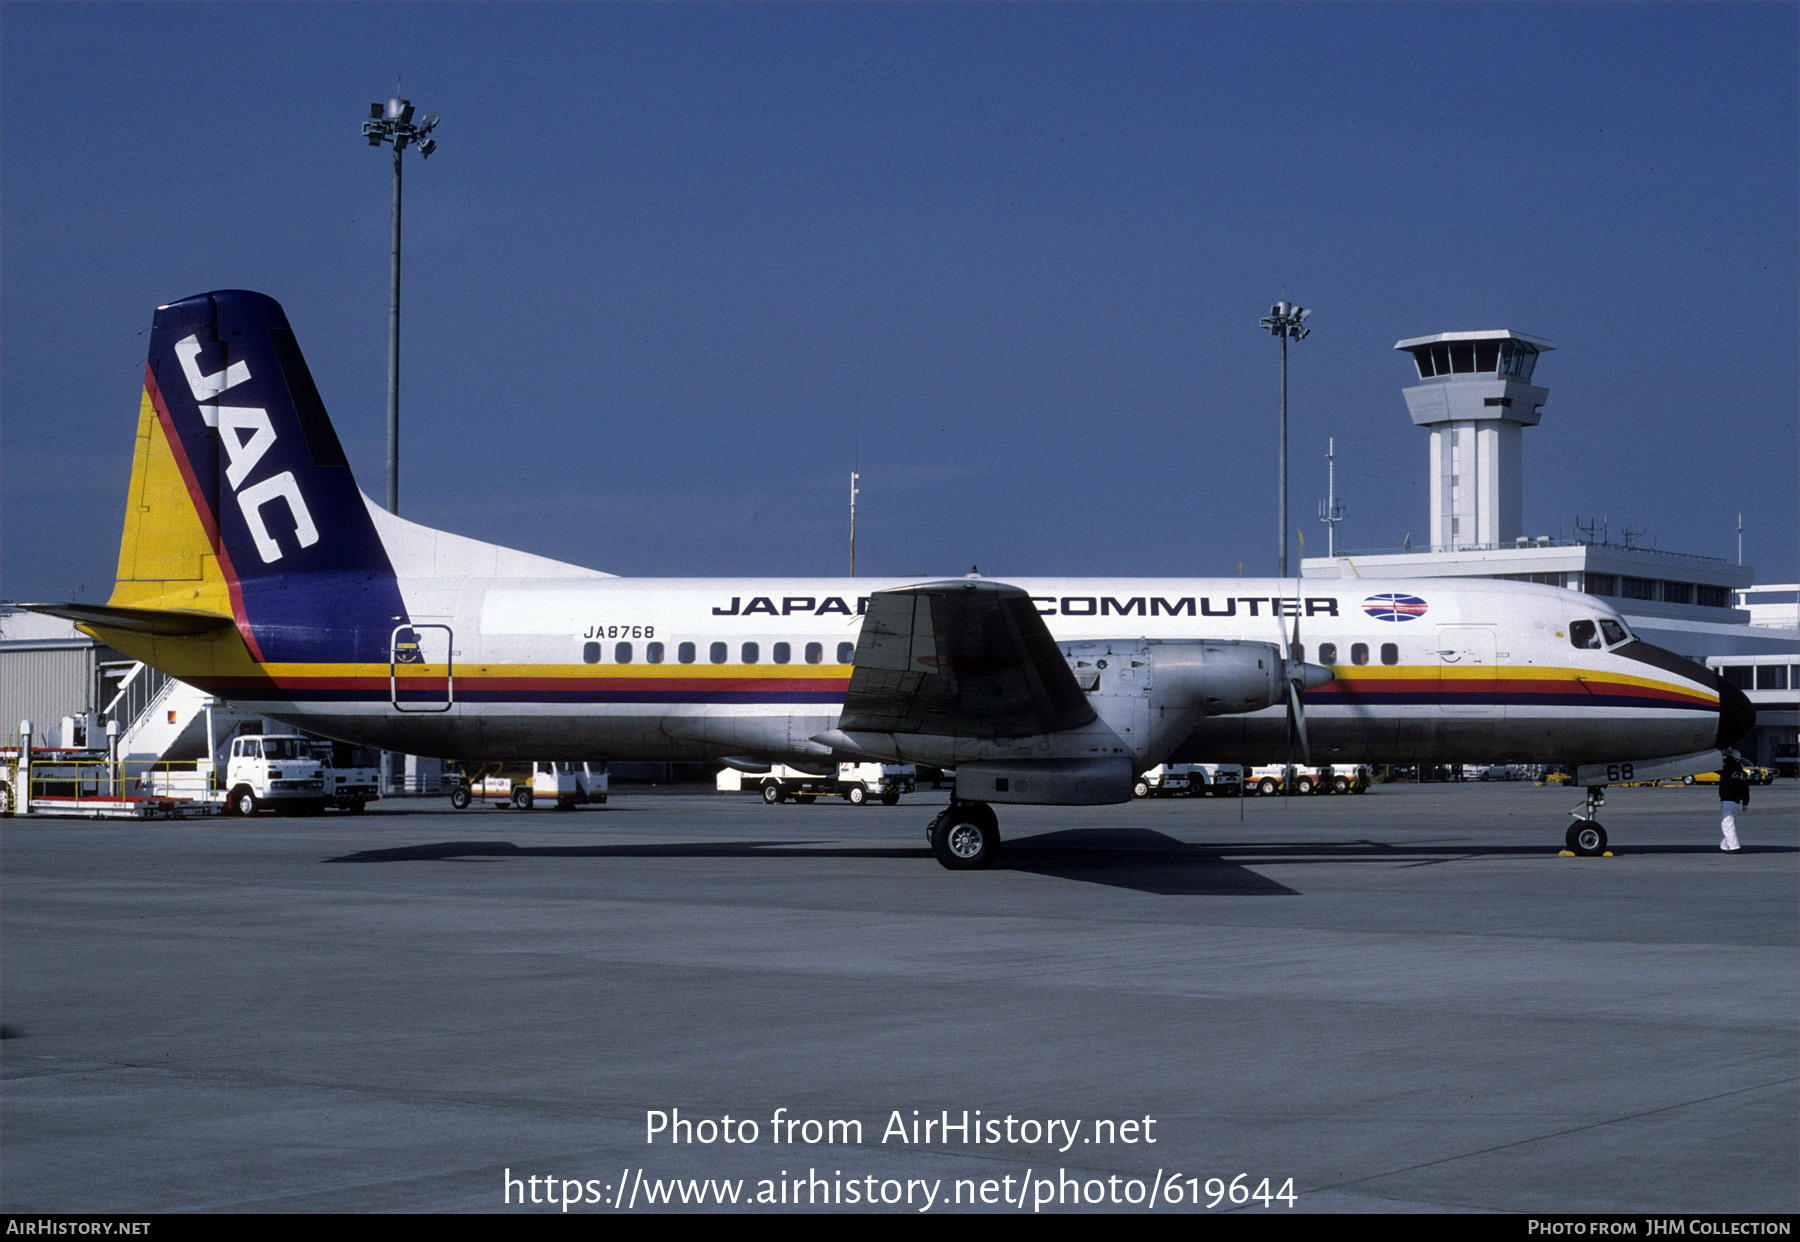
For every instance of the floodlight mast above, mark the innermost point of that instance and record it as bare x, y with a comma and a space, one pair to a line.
392, 122
1285, 320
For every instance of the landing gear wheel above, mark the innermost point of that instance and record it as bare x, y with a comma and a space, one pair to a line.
459, 797
857, 795
522, 799
964, 838
772, 793
1586, 838
243, 802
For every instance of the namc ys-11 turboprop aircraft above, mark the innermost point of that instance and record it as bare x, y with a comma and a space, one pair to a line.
252, 567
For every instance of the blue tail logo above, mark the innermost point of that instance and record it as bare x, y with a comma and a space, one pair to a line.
269, 477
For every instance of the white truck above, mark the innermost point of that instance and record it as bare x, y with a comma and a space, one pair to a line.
273, 772
856, 783
1193, 779
352, 774
563, 784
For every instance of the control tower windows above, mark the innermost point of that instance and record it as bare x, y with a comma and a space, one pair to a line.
1513, 358
1517, 359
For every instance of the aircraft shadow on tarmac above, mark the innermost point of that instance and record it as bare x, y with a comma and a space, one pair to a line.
1139, 859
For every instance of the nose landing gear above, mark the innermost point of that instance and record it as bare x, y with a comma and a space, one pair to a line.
1585, 836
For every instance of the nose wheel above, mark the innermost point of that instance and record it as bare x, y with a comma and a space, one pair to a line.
1585, 836
965, 836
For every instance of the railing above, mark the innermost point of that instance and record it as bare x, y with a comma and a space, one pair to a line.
1440, 549
135, 695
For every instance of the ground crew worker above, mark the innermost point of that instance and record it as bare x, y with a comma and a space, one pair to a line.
1734, 796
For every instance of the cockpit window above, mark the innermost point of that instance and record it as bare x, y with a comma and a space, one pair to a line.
1584, 634
1613, 632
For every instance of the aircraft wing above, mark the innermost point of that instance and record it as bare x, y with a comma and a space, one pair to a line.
964, 658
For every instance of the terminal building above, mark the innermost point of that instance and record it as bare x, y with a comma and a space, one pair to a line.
1476, 396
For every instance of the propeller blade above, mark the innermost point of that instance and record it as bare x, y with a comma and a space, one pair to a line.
1297, 719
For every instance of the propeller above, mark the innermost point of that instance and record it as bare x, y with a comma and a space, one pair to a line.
1298, 677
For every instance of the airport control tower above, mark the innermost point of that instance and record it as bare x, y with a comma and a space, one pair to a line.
1476, 395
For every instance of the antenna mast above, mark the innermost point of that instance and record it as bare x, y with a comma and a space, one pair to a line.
1331, 512
853, 477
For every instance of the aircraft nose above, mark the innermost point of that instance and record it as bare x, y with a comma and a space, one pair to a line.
1736, 715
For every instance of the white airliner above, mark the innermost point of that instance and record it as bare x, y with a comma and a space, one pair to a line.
252, 566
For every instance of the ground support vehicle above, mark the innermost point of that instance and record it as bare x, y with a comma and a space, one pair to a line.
273, 772
1163, 780
1787, 759
1192, 779
352, 774
87, 783
1753, 773
564, 785
856, 783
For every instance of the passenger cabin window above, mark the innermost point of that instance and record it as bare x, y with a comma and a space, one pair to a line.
751, 653
1584, 634
1390, 653
685, 653
654, 653
590, 653
846, 652
717, 653
1327, 653
622, 653
1359, 653
815, 653
1612, 632
782, 653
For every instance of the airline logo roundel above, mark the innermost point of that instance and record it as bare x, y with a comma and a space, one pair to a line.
1394, 607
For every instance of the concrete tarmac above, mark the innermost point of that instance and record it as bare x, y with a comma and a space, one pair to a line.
1400, 1001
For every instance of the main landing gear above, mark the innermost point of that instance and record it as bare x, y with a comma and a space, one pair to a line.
1585, 836
965, 836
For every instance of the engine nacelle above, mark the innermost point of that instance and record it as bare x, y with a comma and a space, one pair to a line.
1220, 678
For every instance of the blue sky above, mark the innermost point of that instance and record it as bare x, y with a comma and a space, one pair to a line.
675, 269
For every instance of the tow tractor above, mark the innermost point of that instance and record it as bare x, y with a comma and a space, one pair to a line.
856, 783
523, 785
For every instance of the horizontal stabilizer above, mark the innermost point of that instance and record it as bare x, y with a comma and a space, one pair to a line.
165, 622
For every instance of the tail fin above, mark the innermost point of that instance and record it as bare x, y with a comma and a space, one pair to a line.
242, 504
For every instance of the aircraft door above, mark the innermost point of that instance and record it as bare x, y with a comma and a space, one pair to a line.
1469, 683
421, 671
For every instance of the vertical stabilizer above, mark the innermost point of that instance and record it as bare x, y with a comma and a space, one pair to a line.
241, 497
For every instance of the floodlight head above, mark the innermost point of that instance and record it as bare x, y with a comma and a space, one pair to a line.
374, 139
1300, 312
394, 106
375, 112
431, 120
406, 114
427, 147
